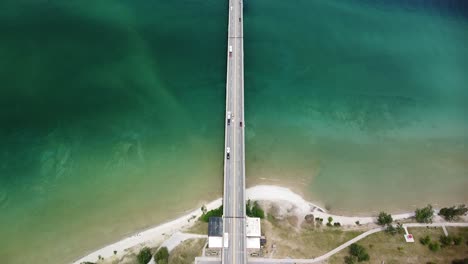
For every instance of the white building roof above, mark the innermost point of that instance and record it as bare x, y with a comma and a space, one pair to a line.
253, 242
253, 234
215, 242
253, 227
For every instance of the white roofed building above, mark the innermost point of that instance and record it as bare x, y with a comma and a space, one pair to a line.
252, 228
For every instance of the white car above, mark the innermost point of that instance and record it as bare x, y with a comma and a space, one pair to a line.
228, 152
228, 118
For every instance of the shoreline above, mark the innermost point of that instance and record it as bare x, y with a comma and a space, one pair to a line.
268, 193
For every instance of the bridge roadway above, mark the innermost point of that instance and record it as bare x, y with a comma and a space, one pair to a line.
234, 166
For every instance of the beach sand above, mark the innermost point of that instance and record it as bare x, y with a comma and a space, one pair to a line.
284, 198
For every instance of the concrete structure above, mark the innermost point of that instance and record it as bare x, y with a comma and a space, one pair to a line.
253, 232
215, 233
234, 167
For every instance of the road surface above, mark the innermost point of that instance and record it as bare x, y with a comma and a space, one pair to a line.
234, 166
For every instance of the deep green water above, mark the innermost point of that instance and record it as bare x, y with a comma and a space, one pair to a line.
111, 120
112, 112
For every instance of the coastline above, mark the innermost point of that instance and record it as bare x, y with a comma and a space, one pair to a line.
290, 201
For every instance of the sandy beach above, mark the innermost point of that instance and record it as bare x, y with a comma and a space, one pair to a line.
286, 199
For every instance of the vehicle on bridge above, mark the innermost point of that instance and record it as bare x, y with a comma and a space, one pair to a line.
229, 118
228, 152
226, 240
230, 50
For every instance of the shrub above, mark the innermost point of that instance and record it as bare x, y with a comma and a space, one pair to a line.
115, 252
434, 246
425, 240
254, 210
350, 260
162, 256
364, 257
329, 224
445, 241
457, 240
391, 230
144, 256
218, 212
359, 252
460, 261
384, 219
400, 229
450, 213
330, 219
424, 215
357, 223
257, 211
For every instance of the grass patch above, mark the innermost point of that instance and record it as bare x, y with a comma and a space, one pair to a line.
199, 227
394, 249
285, 239
186, 252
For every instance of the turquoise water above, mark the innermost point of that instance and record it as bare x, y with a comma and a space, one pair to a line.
112, 112
361, 105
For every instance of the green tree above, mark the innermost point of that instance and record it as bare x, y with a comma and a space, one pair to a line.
359, 252
144, 256
162, 256
330, 219
445, 241
254, 210
424, 215
384, 219
218, 212
257, 211
450, 213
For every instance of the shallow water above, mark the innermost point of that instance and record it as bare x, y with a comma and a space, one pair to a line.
360, 104
112, 113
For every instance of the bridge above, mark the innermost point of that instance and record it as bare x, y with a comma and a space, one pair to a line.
234, 251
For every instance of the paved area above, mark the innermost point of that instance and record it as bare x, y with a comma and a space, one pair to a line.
234, 166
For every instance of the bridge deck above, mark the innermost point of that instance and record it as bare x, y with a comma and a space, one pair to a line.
234, 167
